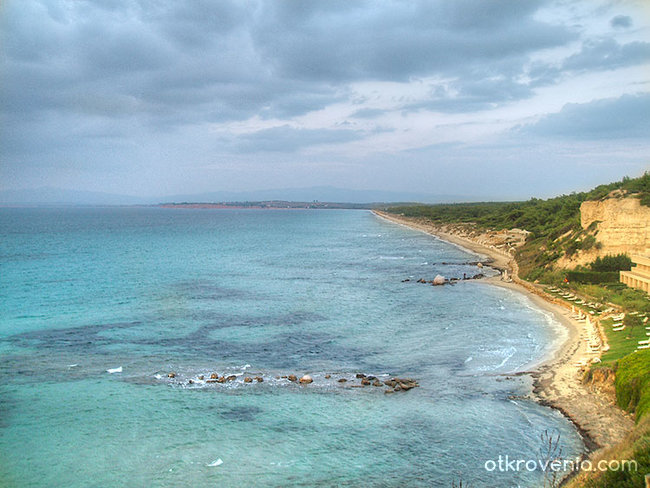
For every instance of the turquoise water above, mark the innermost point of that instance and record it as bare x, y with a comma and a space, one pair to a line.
258, 293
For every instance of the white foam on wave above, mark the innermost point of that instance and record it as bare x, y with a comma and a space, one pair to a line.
507, 357
469, 359
114, 370
216, 462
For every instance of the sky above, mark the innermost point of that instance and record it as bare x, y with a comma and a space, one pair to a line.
486, 98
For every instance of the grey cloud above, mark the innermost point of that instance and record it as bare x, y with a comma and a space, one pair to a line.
397, 40
212, 61
602, 54
368, 113
621, 21
607, 54
613, 118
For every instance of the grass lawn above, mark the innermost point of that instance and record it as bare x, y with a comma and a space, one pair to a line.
623, 342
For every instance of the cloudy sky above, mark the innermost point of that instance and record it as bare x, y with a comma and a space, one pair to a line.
473, 97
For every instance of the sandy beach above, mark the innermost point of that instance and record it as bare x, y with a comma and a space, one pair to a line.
558, 379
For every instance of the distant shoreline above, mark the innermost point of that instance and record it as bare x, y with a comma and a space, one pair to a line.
556, 379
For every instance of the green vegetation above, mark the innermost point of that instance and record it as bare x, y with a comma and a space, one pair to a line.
621, 343
620, 262
592, 276
633, 383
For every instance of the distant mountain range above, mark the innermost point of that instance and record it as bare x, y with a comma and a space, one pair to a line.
57, 196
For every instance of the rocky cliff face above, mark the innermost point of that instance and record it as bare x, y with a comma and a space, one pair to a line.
620, 224
623, 224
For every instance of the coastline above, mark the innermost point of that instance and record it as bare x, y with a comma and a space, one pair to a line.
557, 380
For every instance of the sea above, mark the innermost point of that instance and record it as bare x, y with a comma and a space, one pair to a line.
110, 317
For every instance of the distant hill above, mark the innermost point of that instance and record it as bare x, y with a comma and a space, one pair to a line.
318, 193
57, 196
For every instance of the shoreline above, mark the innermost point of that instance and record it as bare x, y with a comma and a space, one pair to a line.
557, 380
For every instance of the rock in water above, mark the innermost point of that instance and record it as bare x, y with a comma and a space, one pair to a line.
292, 377
306, 379
439, 280
248, 379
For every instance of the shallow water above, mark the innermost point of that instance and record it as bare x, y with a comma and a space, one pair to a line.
265, 293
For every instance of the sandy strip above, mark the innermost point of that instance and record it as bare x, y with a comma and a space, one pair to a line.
557, 380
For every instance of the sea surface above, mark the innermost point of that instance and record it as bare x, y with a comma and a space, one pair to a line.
258, 293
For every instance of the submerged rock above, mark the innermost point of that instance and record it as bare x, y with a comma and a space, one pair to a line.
248, 379
360, 375
259, 379
342, 380
400, 384
292, 377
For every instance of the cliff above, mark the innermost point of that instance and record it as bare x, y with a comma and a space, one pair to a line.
619, 223
622, 224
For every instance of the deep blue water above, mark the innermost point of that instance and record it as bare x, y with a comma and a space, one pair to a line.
257, 293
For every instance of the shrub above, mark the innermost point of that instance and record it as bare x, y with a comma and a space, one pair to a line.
620, 262
633, 383
592, 277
